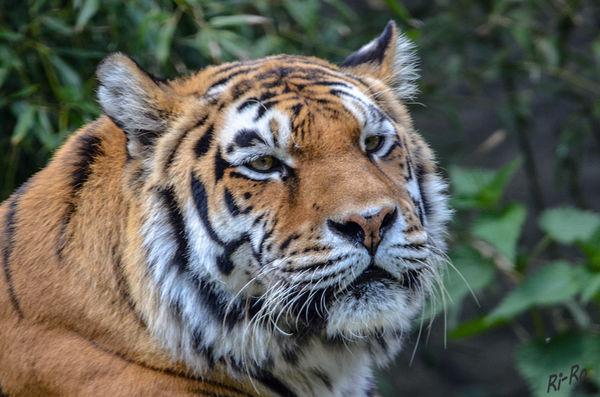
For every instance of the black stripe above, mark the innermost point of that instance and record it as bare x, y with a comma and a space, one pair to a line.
233, 208
218, 305
9, 232
246, 103
199, 346
89, 148
231, 76
123, 286
220, 166
180, 259
390, 149
199, 124
224, 262
245, 138
420, 171
269, 380
204, 143
288, 240
324, 378
237, 91
201, 201
297, 108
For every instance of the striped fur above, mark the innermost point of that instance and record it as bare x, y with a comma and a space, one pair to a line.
152, 257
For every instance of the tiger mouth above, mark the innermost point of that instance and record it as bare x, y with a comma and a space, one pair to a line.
372, 274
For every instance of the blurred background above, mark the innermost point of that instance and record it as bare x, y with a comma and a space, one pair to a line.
510, 101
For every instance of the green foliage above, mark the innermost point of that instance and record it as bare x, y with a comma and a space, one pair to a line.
569, 225
551, 284
479, 188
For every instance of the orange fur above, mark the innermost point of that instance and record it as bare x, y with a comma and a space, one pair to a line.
77, 300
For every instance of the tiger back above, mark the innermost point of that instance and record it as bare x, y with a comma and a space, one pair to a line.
267, 227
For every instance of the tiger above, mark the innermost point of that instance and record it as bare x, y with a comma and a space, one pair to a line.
266, 227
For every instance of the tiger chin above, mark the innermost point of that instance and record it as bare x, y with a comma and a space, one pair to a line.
265, 227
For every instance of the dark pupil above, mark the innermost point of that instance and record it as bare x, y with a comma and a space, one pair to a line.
373, 142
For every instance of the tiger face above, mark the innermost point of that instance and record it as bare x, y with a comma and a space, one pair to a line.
286, 207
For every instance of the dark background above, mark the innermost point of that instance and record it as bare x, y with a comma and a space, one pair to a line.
509, 101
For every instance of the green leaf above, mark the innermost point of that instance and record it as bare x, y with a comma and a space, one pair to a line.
67, 74
501, 229
57, 25
238, 20
474, 327
480, 188
165, 39
25, 120
471, 272
398, 9
591, 249
87, 11
552, 284
538, 360
568, 225
548, 49
44, 131
304, 12
589, 284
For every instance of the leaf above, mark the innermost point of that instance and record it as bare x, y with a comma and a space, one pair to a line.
589, 284
304, 12
538, 360
549, 51
568, 225
551, 284
24, 123
238, 20
57, 25
480, 188
591, 249
398, 9
473, 327
477, 272
88, 10
165, 39
44, 131
501, 229
67, 74
469, 272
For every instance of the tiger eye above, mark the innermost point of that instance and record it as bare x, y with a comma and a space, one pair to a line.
263, 163
372, 143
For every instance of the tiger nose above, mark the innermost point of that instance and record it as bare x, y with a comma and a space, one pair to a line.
365, 230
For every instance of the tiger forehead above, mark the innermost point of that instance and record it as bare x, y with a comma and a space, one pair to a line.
271, 71
313, 95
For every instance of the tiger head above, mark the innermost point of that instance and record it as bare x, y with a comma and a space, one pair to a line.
285, 206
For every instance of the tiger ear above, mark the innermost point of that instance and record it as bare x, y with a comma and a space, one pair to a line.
391, 58
136, 102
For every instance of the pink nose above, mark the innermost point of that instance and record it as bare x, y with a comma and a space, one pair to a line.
365, 230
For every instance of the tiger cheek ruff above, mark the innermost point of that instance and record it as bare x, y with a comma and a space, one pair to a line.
268, 227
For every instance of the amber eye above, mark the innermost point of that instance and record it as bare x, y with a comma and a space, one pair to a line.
373, 143
263, 164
